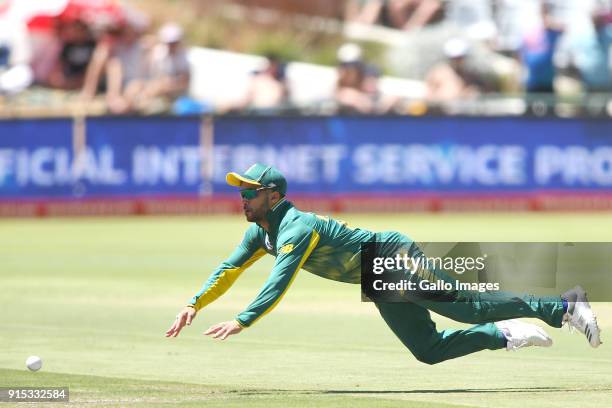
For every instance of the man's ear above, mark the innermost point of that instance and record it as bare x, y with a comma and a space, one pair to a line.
275, 197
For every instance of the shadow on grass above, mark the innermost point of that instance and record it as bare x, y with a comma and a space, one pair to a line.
440, 391
471, 390
129, 386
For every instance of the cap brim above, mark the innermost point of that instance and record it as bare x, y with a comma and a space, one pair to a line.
236, 180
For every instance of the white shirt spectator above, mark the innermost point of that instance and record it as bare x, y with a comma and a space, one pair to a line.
164, 63
132, 57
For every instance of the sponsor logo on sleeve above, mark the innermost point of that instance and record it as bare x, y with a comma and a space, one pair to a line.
285, 249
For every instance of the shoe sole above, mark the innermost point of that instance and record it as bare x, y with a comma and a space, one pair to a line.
592, 330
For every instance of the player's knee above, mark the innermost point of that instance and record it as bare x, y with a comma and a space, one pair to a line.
429, 359
429, 356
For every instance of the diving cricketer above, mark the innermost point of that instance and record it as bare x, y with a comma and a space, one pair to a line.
331, 249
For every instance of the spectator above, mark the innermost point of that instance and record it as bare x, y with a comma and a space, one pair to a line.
268, 87
398, 14
601, 79
123, 57
382, 103
452, 79
74, 51
591, 52
538, 51
97, 65
126, 71
169, 68
351, 95
15, 55
497, 72
357, 89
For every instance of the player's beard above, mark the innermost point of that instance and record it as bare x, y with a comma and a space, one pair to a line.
256, 215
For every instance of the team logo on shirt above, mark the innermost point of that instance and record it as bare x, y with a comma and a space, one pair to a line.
285, 249
268, 244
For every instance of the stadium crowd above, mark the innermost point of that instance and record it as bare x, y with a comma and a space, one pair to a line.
109, 52
112, 59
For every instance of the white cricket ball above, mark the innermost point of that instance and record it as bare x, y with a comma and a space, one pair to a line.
34, 363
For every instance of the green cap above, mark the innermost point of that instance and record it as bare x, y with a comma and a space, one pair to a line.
257, 176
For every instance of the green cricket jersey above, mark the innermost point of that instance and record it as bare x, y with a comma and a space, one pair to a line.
298, 240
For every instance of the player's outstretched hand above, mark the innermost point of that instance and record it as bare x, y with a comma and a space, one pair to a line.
223, 329
184, 317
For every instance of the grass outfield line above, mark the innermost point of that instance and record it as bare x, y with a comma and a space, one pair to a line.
93, 297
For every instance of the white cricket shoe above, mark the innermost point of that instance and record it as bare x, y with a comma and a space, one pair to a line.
580, 315
521, 334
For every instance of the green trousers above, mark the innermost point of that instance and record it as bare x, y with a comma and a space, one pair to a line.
412, 324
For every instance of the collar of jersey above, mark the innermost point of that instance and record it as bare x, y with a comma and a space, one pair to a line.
275, 215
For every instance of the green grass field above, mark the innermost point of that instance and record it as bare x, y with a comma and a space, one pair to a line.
93, 298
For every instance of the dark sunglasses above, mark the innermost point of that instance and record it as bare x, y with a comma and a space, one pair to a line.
250, 194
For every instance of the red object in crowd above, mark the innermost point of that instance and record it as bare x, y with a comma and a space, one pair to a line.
4, 6
105, 12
